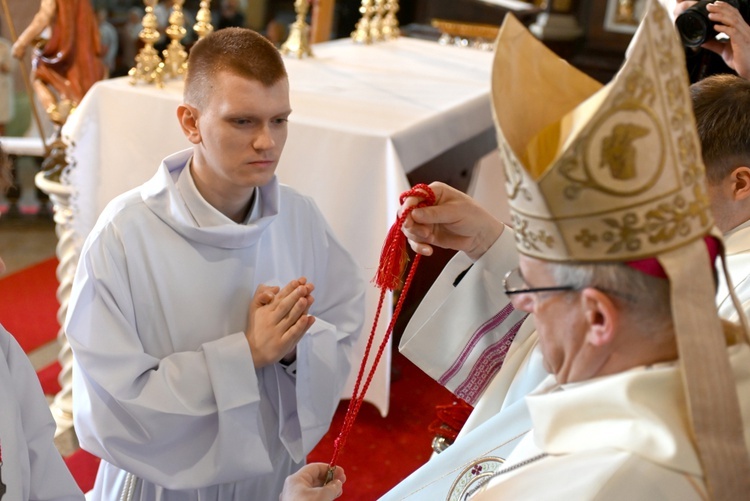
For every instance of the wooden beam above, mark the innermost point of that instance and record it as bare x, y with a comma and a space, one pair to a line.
322, 20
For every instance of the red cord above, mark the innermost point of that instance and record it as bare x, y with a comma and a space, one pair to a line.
450, 419
388, 277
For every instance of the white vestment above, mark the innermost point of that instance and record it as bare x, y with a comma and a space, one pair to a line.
32, 468
633, 441
163, 379
450, 338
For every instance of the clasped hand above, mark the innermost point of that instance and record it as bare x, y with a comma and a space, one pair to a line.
277, 320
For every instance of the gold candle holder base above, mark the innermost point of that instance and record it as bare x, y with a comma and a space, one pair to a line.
175, 56
175, 60
203, 25
390, 23
377, 20
149, 67
363, 31
298, 42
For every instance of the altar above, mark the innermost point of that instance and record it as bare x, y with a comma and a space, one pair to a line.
364, 117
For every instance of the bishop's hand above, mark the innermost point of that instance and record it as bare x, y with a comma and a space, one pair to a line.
277, 320
456, 221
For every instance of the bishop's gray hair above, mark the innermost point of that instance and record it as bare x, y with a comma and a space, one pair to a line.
642, 298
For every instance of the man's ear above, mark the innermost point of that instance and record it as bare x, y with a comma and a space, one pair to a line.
188, 117
601, 316
741, 183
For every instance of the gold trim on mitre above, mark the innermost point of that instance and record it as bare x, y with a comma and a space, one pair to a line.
602, 173
614, 174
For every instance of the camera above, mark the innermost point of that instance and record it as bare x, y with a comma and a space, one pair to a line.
694, 26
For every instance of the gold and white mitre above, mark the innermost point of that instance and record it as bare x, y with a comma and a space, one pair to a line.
599, 173
614, 174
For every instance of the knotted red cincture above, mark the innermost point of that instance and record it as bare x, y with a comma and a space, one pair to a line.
450, 419
393, 260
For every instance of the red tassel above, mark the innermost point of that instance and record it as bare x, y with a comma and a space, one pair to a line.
392, 264
393, 257
450, 419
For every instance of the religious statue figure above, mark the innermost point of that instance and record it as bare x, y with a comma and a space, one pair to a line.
64, 66
69, 62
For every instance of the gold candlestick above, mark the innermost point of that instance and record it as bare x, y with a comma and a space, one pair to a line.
377, 22
390, 23
148, 67
361, 33
298, 42
175, 56
203, 20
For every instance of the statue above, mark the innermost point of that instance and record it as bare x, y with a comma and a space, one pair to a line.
66, 65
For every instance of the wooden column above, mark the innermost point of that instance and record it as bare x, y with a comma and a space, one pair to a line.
322, 20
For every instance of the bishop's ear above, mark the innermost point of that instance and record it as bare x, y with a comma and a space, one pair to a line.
601, 316
188, 117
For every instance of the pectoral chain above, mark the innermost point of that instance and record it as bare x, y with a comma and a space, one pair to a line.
481, 485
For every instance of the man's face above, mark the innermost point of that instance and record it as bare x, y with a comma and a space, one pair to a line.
558, 317
242, 128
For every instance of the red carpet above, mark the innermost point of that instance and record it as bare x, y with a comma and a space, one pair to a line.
48, 378
83, 466
378, 454
28, 304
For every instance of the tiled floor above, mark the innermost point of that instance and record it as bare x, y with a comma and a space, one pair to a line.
26, 240
27, 231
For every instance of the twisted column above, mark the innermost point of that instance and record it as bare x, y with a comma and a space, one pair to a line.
67, 251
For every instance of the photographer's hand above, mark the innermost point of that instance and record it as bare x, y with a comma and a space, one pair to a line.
735, 52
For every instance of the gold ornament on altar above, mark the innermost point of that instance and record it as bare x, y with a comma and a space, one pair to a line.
298, 42
148, 65
390, 23
362, 32
203, 26
378, 21
175, 56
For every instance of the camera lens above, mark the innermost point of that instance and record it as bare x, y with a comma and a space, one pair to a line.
693, 28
